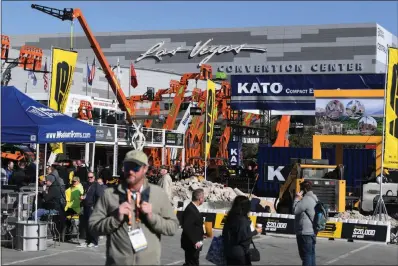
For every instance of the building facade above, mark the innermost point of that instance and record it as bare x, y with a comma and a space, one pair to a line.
160, 56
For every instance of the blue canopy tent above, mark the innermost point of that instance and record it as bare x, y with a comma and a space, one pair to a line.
24, 120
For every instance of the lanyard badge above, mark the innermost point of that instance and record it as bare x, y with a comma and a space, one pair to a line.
137, 198
136, 236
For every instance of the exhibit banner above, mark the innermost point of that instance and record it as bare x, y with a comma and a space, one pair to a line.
293, 92
367, 232
391, 133
234, 155
347, 116
63, 68
210, 110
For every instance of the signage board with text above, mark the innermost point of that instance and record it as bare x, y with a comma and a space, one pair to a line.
364, 232
105, 134
293, 92
174, 139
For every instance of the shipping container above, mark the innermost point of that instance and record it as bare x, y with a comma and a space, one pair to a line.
272, 160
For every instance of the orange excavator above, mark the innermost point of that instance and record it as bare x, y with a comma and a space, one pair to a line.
205, 73
155, 106
193, 143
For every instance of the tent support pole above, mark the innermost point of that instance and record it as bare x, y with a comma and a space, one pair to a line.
45, 159
115, 154
92, 158
37, 179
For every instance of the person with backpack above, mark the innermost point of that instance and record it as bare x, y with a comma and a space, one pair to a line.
310, 218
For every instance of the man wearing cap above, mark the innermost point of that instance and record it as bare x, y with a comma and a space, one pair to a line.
133, 216
165, 181
51, 198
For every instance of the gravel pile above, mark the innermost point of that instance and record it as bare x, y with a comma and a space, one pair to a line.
356, 215
182, 190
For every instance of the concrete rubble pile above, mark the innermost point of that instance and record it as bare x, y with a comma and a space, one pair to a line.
357, 216
214, 192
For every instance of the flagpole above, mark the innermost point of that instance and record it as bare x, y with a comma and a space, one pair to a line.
91, 87
205, 131
87, 76
130, 78
380, 208
48, 102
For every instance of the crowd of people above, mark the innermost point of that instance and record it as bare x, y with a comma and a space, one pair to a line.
133, 213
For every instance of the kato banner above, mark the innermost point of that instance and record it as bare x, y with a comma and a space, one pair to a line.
234, 155
286, 93
63, 67
210, 115
391, 111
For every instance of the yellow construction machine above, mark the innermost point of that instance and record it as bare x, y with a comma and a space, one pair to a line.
327, 183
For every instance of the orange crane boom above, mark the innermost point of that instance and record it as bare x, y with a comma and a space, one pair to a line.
71, 14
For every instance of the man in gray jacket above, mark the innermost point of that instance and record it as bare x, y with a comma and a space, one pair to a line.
304, 211
133, 216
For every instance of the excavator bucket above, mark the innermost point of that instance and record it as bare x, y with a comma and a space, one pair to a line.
5, 47
30, 57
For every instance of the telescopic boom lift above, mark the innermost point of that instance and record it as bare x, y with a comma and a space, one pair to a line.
70, 14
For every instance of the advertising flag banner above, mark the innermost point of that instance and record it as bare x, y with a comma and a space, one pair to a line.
63, 68
234, 148
210, 107
391, 112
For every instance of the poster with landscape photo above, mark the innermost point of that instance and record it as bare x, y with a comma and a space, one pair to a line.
349, 116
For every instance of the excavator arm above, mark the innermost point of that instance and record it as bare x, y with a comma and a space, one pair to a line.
282, 139
71, 14
179, 88
155, 106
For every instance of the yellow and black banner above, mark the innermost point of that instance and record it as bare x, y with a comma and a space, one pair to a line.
210, 114
332, 230
391, 120
63, 68
220, 220
57, 148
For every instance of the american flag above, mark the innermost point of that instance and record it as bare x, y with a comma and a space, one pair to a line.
91, 73
45, 77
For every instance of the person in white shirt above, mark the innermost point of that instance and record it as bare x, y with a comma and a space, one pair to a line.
165, 181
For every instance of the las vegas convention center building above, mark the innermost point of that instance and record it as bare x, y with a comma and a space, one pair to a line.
160, 56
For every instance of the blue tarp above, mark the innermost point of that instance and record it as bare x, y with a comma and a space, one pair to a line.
24, 120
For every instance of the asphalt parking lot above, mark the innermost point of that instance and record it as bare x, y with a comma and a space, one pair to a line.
275, 250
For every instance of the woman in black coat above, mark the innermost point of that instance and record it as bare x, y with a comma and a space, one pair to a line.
237, 232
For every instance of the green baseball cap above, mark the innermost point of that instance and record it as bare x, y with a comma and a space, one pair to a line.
135, 156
